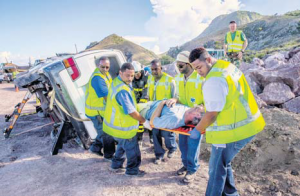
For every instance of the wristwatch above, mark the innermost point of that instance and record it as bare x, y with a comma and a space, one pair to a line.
242, 51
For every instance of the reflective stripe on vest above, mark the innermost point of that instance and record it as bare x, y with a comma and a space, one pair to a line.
189, 93
237, 107
116, 122
235, 45
161, 89
93, 104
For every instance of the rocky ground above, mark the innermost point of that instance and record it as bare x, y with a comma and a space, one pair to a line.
268, 166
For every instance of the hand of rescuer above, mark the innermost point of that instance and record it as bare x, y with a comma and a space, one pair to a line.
194, 134
147, 125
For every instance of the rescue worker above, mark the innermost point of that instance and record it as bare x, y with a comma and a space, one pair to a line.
231, 120
121, 120
189, 93
161, 86
235, 44
140, 86
96, 95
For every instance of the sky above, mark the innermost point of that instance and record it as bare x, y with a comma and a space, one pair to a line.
33, 29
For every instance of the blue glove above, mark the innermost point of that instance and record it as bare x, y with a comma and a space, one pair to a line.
194, 134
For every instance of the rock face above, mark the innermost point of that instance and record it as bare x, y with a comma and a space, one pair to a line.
276, 93
258, 62
293, 105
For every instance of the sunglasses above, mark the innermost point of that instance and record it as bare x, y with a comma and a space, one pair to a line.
180, 66
104, 67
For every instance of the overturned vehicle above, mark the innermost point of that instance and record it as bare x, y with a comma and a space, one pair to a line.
60, 85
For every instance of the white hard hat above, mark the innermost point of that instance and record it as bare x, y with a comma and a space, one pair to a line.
137, 66
183, 57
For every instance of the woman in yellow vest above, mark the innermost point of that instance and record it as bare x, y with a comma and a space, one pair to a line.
121, 120
231, 120
189, 93
161, 86
95, 101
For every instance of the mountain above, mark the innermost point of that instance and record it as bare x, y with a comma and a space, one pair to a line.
263, 32
222, 21
129, 48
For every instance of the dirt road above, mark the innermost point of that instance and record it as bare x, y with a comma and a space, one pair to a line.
27, 168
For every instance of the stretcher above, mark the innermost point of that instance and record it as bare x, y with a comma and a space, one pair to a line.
181, 130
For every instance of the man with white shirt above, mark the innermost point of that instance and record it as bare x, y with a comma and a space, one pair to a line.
231, 120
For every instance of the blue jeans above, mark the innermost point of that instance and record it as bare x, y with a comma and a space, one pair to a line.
102, 140
190, 150
131, 149
170, 142
221, 180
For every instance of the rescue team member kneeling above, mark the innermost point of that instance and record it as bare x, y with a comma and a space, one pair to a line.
231, 120
121, 120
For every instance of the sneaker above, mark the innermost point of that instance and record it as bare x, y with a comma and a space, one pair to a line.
181, 171
97, 153
189, 177
108, 159
158, 161
151, 140
117, 170
170, 154
141, 173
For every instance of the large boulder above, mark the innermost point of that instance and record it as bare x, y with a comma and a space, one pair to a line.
276, 93
258, 62
293, 105
295, 59
289, 75
253, 84
260, 102
275, 61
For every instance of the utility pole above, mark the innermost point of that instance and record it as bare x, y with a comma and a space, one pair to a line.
76, 49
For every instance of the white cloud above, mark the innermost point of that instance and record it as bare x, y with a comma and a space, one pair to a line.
140, 39
178, 21
18, 59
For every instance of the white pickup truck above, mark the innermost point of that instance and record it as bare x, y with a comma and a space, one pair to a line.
68, 77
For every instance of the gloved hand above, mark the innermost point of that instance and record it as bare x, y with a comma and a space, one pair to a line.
147, 125
194, 134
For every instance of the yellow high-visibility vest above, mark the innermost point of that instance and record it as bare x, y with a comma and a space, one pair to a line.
235, 45
189, 94
240, 117
116, 123
94, 105
162, 89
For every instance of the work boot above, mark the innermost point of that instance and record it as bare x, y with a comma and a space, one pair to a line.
181, 171
140, 173
189, 177
170, 154
158, 161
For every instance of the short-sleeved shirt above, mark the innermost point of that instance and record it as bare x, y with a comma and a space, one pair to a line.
215, 90
170, 118
125, 100
99, 86
243, 36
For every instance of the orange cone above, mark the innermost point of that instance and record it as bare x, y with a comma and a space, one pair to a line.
16, 89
